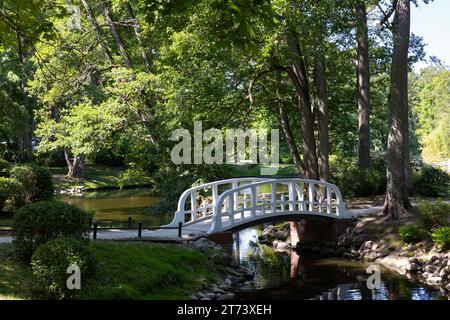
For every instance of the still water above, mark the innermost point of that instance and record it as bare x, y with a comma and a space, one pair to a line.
118, 205
286, 275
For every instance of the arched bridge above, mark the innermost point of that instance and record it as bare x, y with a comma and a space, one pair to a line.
233, 204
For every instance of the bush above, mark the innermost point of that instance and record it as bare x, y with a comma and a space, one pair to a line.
8, 187
434, 214
132, 175
39, 222
441, 237
51, 260
354, 181
36, 183
4, 168
432, 182
411, 233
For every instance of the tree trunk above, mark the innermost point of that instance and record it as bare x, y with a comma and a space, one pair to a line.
78, 167
94, 24
137, 33
362, 51
68, 162
110, 21
397, 202
320, 82
300, 79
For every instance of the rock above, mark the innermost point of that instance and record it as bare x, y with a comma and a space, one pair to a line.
375, 246
444, 272
227, 296
283, 245
434, 280
282, 235
433, 259
205, 298
430, 268
447, 287
269, 231
412, 266
275, 243
368, 244
370, 256
221, 258
347, 255
413, 260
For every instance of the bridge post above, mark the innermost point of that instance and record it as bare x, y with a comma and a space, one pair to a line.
273, 197
253, 201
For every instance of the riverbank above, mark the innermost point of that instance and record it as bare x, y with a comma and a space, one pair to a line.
140, 270
96, 178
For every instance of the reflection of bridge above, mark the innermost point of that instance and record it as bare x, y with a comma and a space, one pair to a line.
234, 204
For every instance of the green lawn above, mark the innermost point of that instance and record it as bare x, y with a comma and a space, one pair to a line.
95, 177
255, 170
125, 270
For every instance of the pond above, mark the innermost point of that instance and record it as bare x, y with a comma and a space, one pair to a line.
286, 275
118, 205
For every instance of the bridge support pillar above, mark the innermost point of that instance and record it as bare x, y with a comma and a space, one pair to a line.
225, 239
322, 231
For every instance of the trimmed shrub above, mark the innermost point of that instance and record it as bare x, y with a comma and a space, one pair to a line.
8, 187
36, 183
432, 182
39, 222
354, 181
441, 237
51, 261
434, 214
411, 233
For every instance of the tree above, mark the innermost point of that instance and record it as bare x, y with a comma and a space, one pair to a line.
363, 81
397, 202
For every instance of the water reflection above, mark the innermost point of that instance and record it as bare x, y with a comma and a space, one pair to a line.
286, 275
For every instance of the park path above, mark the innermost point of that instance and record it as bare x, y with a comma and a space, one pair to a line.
187, 233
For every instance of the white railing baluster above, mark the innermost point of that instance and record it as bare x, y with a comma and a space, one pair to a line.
235, 196
291, 196
242, 212
231, 210
215, 194
282, 207
253, 199
194, 205
311, 196
273, 197
329, 209
263, 208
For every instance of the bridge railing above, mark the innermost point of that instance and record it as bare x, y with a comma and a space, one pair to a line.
197, 203
245, 203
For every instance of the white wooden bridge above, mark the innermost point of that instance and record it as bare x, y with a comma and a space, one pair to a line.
234, 204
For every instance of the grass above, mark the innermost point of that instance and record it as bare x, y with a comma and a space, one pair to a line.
16, 281
95, 177
125, 270
255, 170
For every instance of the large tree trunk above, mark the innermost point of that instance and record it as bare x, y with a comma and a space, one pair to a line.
362, 49
397, 202
300, 79
76, 168
93, 21
320, 83
137, 33
110, 21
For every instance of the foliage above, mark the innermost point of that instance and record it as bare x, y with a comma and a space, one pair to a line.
132, 176
8, 188
434, 214
4, 168
412, 233
354, 181
431, 98
441, 236
51, 261
39, 222
432, 182
35, 183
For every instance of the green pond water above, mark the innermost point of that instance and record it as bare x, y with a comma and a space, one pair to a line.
278, 275
118, 205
